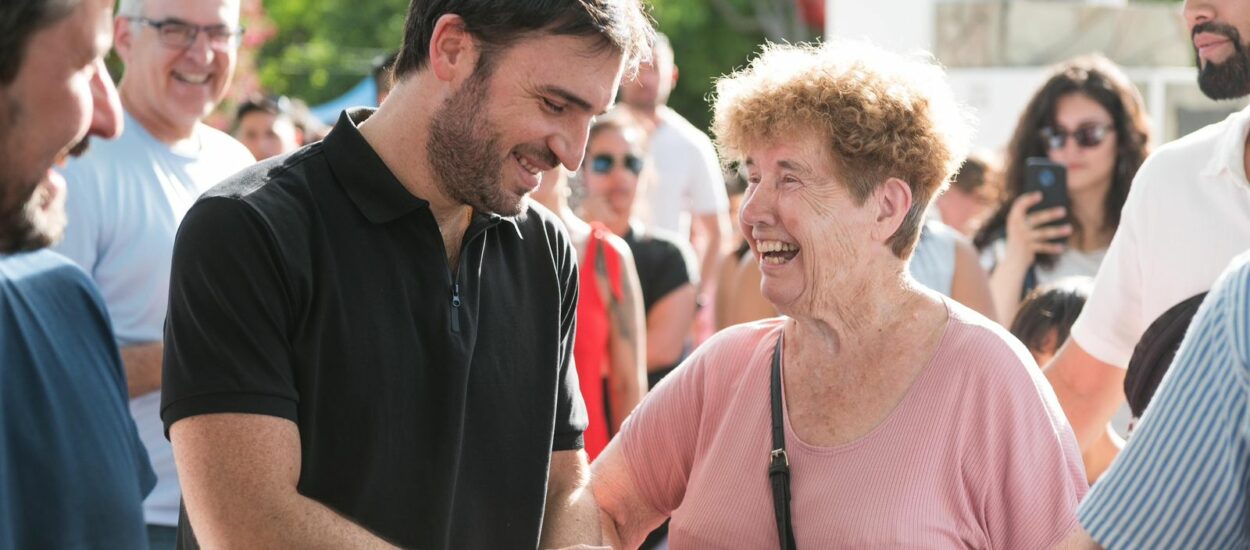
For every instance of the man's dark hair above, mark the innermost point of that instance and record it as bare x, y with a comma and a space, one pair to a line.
260, 104
21, 19
621, 25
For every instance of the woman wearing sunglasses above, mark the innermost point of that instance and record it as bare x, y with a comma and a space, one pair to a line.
1089, 118
614, 167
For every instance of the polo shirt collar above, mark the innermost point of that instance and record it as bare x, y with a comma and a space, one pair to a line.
1230, 151
378, 194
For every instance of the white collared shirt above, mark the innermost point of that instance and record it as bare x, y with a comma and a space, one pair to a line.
1186, 217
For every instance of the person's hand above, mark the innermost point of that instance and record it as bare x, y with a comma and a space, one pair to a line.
1027, 233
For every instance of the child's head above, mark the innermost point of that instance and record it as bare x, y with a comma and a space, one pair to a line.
1046, 315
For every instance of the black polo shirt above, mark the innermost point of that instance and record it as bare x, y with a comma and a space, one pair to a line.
315, 288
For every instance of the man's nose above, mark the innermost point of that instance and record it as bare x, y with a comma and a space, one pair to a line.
106, 118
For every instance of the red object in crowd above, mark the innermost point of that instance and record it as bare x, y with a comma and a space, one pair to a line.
813, 12
594, 327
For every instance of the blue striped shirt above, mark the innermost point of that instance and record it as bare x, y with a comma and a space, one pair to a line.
1181, 481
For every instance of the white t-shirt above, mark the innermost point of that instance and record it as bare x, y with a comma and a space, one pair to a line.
689, 179
126, 198
1070, 263
1187, 216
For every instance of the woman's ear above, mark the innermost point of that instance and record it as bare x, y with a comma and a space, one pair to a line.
893, 200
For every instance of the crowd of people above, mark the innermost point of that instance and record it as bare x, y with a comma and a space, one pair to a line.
523, 303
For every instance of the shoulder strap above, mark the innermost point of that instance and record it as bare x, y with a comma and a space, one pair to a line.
778, 461
599, 239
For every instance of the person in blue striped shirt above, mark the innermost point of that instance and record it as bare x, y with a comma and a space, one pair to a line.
1183, 478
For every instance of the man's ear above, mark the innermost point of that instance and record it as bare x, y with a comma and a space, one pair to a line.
123, 37
676, 73
893, 200
453, 52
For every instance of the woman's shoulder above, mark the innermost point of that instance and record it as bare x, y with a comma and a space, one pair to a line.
731, 350
976, 342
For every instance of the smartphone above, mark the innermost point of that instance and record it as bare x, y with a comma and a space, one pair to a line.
1051, 179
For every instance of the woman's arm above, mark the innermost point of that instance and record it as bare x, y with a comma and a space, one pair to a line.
668, 324
627, 369
970, 285
625, 516
1027, 236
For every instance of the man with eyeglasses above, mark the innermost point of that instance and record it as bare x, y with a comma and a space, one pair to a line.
128, 196
1186, 217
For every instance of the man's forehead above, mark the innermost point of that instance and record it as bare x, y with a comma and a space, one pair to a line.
194, 11
580, 66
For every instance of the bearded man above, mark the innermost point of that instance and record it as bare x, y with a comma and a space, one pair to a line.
370, 341
72, 466
1186, 217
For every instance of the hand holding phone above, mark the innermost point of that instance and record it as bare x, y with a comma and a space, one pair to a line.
1051, 180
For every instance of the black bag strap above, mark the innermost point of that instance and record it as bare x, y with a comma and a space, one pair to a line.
778, 461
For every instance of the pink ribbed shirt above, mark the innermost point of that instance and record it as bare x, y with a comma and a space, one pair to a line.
978, 453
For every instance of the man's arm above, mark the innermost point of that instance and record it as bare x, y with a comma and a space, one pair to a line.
239, 474
1089, 391
571, 516
143, 367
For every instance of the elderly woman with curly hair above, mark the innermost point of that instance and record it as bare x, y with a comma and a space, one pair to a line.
875, 413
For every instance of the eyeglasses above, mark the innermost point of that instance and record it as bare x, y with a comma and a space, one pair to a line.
181, 35
1090, 135
602, 164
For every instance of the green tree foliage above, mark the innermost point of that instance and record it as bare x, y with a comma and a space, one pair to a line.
321, 48
705, 46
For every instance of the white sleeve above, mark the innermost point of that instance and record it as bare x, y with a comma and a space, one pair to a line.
1111, 322
707, 185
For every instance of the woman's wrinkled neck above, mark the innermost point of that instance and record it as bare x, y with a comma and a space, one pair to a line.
852, 314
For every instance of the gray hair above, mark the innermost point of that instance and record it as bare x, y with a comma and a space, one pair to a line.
20, 20
130, 8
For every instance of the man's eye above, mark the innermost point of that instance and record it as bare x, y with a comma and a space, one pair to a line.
553, 107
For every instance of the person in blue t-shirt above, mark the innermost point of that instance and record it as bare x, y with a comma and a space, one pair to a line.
73, 473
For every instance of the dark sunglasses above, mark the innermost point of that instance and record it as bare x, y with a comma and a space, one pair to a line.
1086, 136
602, 164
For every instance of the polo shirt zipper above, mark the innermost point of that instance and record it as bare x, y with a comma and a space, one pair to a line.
455, 307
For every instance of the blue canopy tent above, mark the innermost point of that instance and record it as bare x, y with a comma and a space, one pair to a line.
363, 94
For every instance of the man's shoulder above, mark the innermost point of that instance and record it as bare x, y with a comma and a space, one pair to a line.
43, 276
1188, 155
43, 265
276, 177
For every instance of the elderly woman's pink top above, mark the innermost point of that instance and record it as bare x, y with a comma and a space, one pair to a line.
978, 453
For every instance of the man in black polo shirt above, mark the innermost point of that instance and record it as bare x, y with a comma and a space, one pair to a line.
369, 342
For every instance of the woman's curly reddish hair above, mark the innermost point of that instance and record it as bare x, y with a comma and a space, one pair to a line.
884, 115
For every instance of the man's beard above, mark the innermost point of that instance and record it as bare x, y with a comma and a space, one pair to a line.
1231, 78
25, 223
30, 225
463, 151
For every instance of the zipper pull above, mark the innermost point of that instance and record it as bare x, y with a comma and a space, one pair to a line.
455, 307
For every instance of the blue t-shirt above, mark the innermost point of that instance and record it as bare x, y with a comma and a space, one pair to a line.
73, 472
